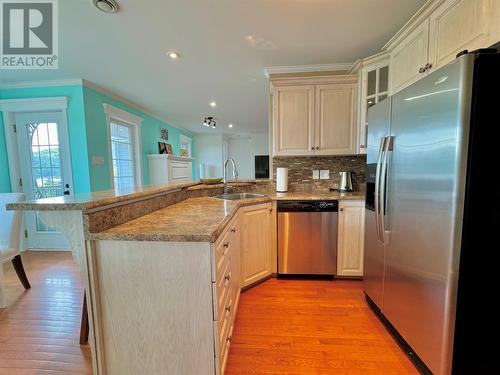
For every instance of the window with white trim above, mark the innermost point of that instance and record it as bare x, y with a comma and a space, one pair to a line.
124, 149
122, 156
186, 145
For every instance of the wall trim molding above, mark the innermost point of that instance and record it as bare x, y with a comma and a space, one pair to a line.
57, 103
112, 95
122, 115
306, 68
47, 83
93, 86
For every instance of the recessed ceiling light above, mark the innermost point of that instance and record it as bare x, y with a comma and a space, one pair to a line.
106, 6
213, 104
230, 126
173, 55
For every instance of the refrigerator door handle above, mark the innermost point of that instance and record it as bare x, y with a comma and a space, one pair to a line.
377, 188
389, 144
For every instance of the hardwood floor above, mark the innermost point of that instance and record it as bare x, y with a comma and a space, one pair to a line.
311, 327
282, 326
39, 329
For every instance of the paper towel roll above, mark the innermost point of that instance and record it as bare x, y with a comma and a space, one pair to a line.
281, 180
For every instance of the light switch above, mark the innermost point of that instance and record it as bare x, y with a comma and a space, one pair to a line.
315, 174
97, 160
324, 174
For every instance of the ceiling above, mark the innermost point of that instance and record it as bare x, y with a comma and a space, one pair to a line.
224, 46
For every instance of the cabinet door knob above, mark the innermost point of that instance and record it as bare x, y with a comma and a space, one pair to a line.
228, 308
271, 209
228, 276
229, 338
226, 245
233, 230
312, 148
428, 66
421, 70
341, 209
317, 147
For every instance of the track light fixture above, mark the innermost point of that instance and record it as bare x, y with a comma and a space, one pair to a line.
209, 122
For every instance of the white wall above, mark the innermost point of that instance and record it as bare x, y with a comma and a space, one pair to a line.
208, 151
243, 150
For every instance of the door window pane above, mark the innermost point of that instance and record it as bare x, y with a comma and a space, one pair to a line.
122, 151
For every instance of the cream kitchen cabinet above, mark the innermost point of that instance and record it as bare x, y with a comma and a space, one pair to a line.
462, 24
437, 33
293, 120
335, 130
256, 242
351, 232
315, 116
409, 59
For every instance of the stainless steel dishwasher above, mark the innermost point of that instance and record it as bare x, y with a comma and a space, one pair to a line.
307, 237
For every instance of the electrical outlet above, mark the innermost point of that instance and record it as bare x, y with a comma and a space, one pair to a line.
315, 174
324, 174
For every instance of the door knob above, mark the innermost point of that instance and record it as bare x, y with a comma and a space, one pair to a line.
66, 191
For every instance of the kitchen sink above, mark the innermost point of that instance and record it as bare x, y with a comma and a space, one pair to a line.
236, 196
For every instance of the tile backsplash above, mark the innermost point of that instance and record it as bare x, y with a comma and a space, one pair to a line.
300, 171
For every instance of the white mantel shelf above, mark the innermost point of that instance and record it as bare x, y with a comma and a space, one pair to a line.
169, 157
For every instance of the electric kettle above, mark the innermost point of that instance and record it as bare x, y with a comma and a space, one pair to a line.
346, 181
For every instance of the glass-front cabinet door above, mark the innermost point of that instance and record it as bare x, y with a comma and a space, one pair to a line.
375, 88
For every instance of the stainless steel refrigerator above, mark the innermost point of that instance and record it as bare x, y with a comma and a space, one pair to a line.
432, 213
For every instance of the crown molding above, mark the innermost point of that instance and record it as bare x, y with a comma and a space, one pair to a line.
306, 68
33, 84
415, 21
34, 104
112, 95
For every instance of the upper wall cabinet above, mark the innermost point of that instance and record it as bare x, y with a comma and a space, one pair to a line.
335, 131
315, 116
293, 120
458, 25
410, 57
437, 33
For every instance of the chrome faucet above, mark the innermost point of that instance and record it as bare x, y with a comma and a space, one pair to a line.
235, 173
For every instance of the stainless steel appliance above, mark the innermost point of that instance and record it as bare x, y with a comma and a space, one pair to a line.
307, 237
346, 181
431, 249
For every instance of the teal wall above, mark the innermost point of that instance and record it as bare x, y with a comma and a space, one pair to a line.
88, 135
76, 131
4, 163
97, 136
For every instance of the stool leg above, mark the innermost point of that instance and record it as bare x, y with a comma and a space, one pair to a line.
18, 266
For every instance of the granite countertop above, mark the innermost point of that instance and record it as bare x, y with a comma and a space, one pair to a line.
192, 220
83, 202
199, 219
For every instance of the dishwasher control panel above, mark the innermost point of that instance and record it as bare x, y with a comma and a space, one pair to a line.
308, 206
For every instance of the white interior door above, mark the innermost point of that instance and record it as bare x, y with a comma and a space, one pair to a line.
45, 168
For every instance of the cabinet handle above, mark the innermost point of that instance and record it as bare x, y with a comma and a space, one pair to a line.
228, 276
428, 66
317, 147
228, 308
233, 230
421, 70
229, 338
271, 209
312, 148
226, 245
341, 209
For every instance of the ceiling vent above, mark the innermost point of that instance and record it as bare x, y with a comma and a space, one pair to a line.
106, 6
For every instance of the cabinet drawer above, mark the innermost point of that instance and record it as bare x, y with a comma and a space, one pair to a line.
222, 328
221, 361
220, 252
222, 289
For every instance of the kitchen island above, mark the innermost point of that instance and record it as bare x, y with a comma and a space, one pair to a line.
164, 270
